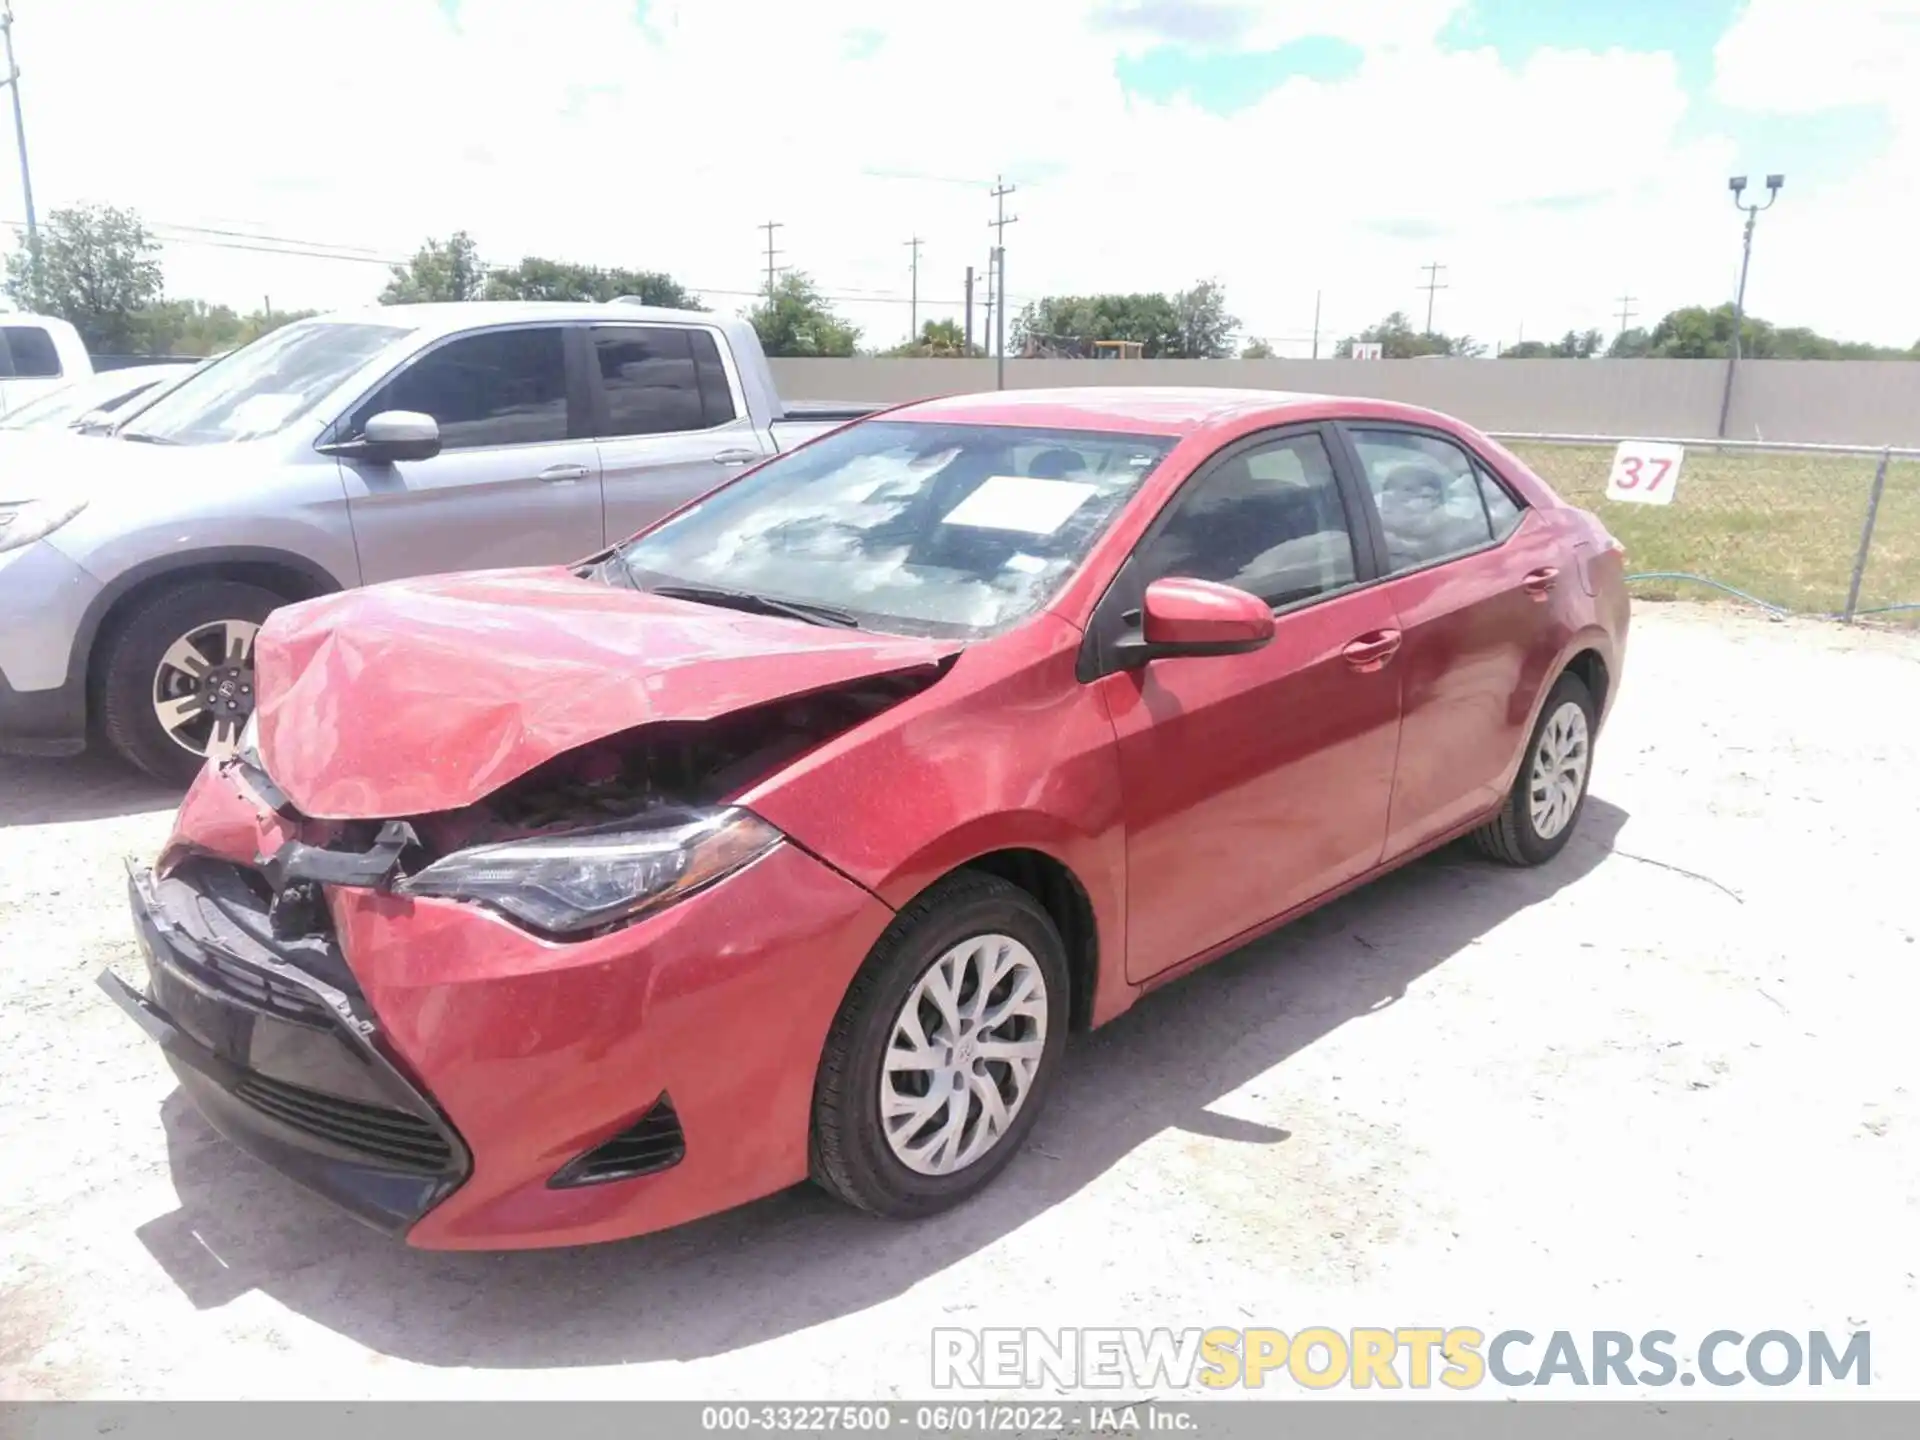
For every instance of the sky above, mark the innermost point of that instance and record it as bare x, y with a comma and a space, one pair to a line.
1552, 156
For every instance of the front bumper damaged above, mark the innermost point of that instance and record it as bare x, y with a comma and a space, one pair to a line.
285, 1062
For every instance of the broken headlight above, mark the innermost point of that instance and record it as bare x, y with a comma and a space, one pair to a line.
581, 881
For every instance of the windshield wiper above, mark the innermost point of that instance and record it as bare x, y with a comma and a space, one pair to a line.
760, 604
141, 436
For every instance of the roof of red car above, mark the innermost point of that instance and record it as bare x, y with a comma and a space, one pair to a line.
1138, 409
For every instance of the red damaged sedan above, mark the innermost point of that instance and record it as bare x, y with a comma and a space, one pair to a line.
792, 837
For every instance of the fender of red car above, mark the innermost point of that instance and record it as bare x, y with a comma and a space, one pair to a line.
425, 695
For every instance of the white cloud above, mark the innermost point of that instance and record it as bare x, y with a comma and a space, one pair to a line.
567, 129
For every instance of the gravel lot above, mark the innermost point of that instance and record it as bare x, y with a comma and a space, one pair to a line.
1666, 1082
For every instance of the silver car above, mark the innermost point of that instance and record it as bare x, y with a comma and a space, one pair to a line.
343, 451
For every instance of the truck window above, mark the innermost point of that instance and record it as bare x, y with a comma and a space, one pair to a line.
660, 380
716, 396
500, 387
32, 348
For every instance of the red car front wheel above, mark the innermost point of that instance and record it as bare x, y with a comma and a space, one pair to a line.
943, 1051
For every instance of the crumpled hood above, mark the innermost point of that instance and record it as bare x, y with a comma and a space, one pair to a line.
426, 695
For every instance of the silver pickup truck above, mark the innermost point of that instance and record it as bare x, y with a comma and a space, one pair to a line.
342, 451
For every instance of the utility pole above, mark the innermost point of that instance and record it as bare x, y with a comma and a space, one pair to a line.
11, 79
1433, 284
1626, 311
913, 304
770, 226
999, 225
1316, 324
1736, 185
986, 329
969, 350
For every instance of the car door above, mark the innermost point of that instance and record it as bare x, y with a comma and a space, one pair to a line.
1254, 783
1474, 581
669, 419
517, 479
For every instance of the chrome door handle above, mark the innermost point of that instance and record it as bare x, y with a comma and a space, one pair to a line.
564, 472
736, 457
1371, 652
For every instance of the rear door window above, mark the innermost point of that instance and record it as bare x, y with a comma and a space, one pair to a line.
1502, 510
716, 393
1428, 493
35, 356
660, 380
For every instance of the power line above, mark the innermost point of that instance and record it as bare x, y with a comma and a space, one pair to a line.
320, 250
770, 226
1433, 284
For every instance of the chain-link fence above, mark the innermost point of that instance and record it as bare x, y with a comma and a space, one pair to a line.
1824, 530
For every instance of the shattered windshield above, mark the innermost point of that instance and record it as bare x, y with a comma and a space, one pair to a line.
935, 529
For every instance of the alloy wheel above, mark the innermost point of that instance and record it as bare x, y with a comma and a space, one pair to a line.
203, 687
1559, 770
964, 1052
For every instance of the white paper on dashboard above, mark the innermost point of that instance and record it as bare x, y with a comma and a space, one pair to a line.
1020, 503
258, 414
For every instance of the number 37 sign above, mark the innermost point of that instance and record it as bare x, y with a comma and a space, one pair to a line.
1644, 473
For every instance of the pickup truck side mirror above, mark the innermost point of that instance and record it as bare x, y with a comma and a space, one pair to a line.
389, 436
1182, 616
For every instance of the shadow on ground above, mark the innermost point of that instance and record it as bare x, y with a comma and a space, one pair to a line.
798, 1258
86, 787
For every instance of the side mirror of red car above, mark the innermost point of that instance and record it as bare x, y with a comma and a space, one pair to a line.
1181, 616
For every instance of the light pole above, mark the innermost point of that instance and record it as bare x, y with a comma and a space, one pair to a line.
11, 79
1738, 184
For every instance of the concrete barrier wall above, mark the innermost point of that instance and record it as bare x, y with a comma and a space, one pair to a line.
1863, 402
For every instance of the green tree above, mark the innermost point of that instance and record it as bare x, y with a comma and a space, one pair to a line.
1257, 350
440, 270
1205, 327
1069, 324
1398, 340
1630, 344
1193, 324
95, 268
193, 327
1695, 332
1574, 345
938, 339
796, 320
537, 278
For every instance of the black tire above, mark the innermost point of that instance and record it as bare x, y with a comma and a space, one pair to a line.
850, 1156
1511, 837
131, 655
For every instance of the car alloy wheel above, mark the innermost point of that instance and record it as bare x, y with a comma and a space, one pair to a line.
965, 1049
203, 687
1559, 772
